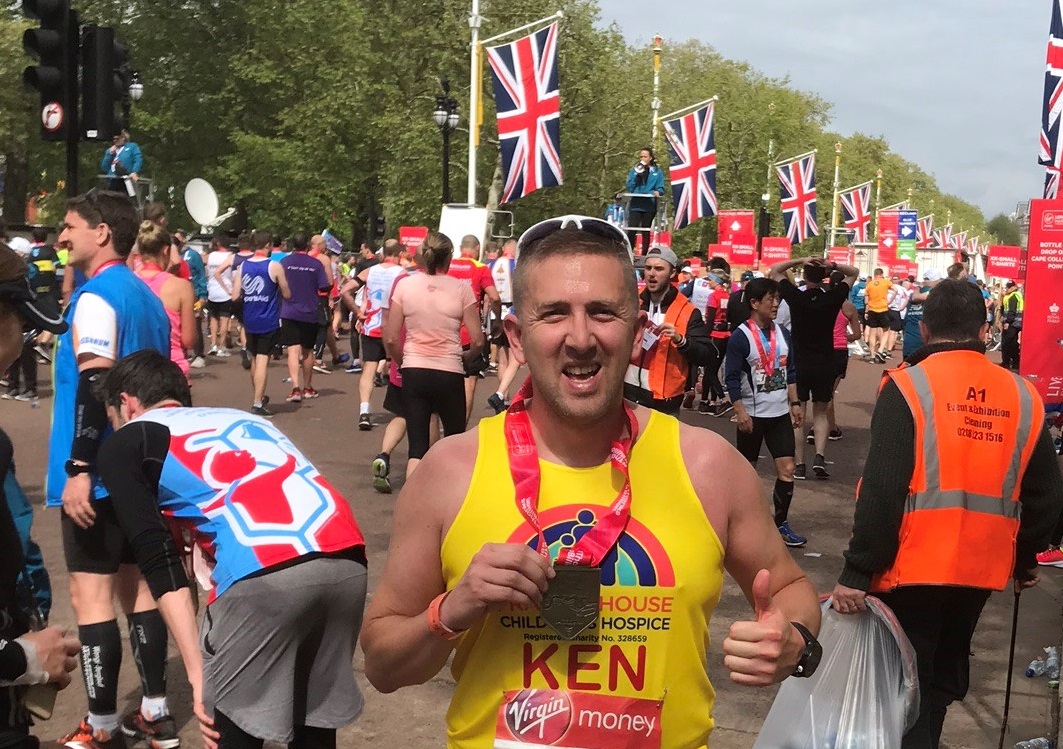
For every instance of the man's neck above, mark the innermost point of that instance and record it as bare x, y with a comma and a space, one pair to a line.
764, 323
585, 446
101, 259
658, 296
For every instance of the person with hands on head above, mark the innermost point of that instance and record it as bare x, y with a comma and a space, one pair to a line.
960, 490
762, 383
524, 543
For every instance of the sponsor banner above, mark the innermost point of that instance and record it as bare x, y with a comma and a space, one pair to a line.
533, 718
840, 255
732, 224
899, 269
907, 231
1042, 318
411, 237
744, 249
694, 263
887, 236
1004, 261
720, 250
774, 250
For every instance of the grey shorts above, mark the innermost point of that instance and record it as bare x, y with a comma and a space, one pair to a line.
278, 649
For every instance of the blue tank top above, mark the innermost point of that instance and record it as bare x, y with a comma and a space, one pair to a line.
262, 306
142, 323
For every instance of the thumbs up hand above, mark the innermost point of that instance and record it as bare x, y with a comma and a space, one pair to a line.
764, 651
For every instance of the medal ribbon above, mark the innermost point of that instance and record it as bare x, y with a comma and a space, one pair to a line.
596, 544
767, 358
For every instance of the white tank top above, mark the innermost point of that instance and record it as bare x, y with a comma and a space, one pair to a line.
215, 291
378, 283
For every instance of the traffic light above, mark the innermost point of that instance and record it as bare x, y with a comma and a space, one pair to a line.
98, 50
55, 78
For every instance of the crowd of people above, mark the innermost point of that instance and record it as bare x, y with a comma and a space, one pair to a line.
522, 545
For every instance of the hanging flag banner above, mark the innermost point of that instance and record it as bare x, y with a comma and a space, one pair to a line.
840, 255
743, 250
907, 231
797, 197
736, 223
692, 145
774, 250
1051, 154
529, 112
888, 226
1004, 261
924, 239
1042, 318
411, 237
856, 211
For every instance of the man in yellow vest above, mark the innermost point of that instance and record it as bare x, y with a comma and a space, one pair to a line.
572, 549
960, 491
675, 339
1011, 323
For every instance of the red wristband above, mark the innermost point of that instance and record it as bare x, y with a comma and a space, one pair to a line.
435, 624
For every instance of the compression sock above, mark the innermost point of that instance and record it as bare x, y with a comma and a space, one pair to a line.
363, 409
148, 640
781, 496
101, 658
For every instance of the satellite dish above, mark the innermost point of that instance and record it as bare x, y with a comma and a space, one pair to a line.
202, 204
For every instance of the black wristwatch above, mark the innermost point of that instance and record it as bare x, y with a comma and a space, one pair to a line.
811, 655
76, 469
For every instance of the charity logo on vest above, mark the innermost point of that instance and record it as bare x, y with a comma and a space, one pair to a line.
551, 717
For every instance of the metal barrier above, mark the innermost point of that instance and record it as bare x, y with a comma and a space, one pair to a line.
140, 190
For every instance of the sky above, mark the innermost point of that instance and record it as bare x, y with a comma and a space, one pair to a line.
953, 85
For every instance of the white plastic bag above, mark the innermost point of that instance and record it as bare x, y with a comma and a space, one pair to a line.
864, 695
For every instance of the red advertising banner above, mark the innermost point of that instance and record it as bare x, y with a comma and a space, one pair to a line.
774, 250
899, 269
887, 237
694, 263
1042, 319
1022, 264
411, 237
733, 224
840, 255
743, 250
720, 250
1004, 261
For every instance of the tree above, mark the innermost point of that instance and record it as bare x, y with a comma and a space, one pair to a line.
1004, 229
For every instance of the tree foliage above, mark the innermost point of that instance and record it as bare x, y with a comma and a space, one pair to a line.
314, 114
1004, 229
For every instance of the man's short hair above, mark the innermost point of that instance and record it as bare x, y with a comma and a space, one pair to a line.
113, 209
261, 239
569, 242
154, 212
758, 288
955, 270
954, 311
879, 272
276, 240
814, 271
39, 234
243, 242
469, 241
392, 248
300, 241
147, 375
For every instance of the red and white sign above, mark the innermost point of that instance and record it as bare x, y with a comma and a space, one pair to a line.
887, 237
840, 255
694, 263
538, 718
899, 269
1042, 318
1004, 261
411, 237
743, 250
733, 224
720, 250
774, 250
52, 116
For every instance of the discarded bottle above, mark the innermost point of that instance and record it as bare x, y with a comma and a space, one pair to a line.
1041, 743
1036, 668
1052, 663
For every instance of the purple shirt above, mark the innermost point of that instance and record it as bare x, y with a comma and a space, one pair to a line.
306, 276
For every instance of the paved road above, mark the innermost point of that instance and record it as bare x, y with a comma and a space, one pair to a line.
413, 718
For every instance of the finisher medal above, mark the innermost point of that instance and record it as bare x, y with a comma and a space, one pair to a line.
570, 604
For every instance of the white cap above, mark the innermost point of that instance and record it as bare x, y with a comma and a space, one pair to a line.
932, 274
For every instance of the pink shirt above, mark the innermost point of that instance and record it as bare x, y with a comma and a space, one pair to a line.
841, 331
433, 307
155, 283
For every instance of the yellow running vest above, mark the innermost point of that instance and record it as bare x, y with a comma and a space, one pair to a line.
660, 585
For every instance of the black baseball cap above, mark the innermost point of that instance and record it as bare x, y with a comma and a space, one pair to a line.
15, 290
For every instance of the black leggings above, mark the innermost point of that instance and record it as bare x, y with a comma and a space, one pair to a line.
431, 391
306, 737
711, 387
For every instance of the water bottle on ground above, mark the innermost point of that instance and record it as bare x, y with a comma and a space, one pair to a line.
1052, 663
1036, 668
1041, 743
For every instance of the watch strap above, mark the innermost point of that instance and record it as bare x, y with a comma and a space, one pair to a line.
809, 638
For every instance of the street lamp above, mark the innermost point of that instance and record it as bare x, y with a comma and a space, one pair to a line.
136, 87
133, 93
446, 119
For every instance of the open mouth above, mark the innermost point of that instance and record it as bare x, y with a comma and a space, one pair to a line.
581, 372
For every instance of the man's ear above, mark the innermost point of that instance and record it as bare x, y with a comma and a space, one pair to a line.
511, 328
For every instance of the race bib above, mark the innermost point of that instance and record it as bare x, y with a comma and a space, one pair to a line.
576, 720
649, 339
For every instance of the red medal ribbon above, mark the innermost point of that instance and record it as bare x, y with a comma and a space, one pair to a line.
107, 265
767, 358
596, 544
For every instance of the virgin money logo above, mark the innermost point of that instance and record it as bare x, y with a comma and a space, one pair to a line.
1052, 220
540, 715
254, 285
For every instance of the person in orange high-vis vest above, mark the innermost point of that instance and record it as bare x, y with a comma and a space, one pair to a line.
676, 338
961, 489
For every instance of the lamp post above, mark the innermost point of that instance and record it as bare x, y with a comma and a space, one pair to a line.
658, 42
446, 119
132, 94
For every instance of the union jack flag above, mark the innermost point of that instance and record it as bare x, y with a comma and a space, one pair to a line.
959, 240
692, 144
797, 193
973, 245
856, 211
924, 238
529, 112
1052, 105
943, 236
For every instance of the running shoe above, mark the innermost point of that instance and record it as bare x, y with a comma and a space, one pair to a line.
496, 402
320, 368
309, 394
704, 407
688, 401
198, 363
810, 439
790, 538
354, 367
819, 467
160, 734
364, 423
213, 351
723, 407
27, 396
341, 359
11, 395
86, 737
223, 353
245, 358
262, 411
835, 435
296, 396
1051, 558
799, 472
381, 469
378, 380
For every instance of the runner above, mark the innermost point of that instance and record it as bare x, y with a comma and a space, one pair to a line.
432, 306
284, 560
477, 276
175, 293
847, 330
878, 319
897, 302
198, 271
111, 315
219, 296
300, 315
326, 335
712, 391
261, 284
469, 560
913, 334
502, 275
762, 383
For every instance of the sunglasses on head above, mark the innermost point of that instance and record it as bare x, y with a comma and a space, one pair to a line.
596, 226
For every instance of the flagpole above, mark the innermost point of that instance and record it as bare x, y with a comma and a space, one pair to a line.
878, 202
656, 103
798, 157
691, 108
475, 19
834, 202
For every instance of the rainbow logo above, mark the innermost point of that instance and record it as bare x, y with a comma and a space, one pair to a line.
638, 559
